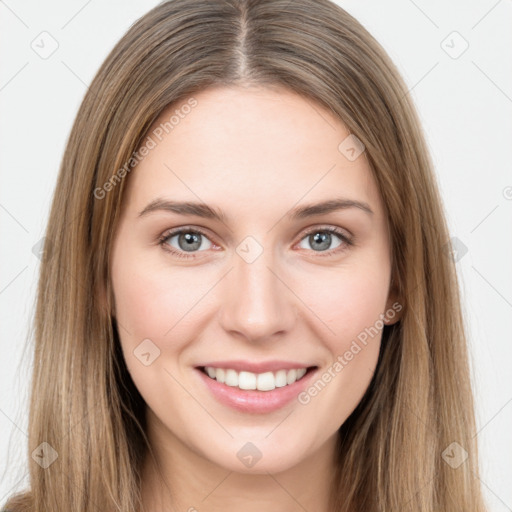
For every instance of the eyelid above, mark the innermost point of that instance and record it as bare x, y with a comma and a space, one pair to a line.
328, 227
185, 229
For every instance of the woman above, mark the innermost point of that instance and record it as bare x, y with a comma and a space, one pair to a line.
195, 348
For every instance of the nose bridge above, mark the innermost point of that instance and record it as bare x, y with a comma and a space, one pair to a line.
256, 304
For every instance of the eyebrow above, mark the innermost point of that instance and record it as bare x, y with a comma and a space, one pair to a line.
297, 213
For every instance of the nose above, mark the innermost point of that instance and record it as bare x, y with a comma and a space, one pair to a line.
257, 304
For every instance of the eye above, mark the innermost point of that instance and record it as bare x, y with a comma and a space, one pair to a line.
191, 240
188, 241
321, 238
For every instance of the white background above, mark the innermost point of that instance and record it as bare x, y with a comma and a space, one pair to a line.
465, 105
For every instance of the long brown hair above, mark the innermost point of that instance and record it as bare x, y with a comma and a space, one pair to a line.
395, 451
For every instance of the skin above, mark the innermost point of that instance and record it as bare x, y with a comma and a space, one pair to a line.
254, 153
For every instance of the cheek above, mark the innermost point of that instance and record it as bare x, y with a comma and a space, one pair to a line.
152, 303
158, 303
350, 305
348, 301
151, 298
141, 305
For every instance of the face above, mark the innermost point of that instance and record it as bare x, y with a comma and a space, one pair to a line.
249, 284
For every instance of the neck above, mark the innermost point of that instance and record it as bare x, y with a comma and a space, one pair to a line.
183, 480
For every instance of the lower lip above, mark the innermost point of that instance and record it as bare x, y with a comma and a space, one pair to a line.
254, 401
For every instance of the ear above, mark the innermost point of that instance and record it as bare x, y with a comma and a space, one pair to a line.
105, 300
394, 306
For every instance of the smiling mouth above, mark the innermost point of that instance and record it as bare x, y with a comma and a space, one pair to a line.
266, 381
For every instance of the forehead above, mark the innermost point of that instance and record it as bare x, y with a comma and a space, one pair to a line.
250, 146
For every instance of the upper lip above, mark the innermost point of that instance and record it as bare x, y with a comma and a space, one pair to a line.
254, 367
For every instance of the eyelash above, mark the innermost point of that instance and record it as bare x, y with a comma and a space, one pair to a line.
346, 241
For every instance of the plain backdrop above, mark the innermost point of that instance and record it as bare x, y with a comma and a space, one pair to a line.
454, 56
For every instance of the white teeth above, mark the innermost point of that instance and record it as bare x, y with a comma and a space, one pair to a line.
281, 378
246, 380
291, 377
266, 381
261, 381
220, 375
301, 372
231, 378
